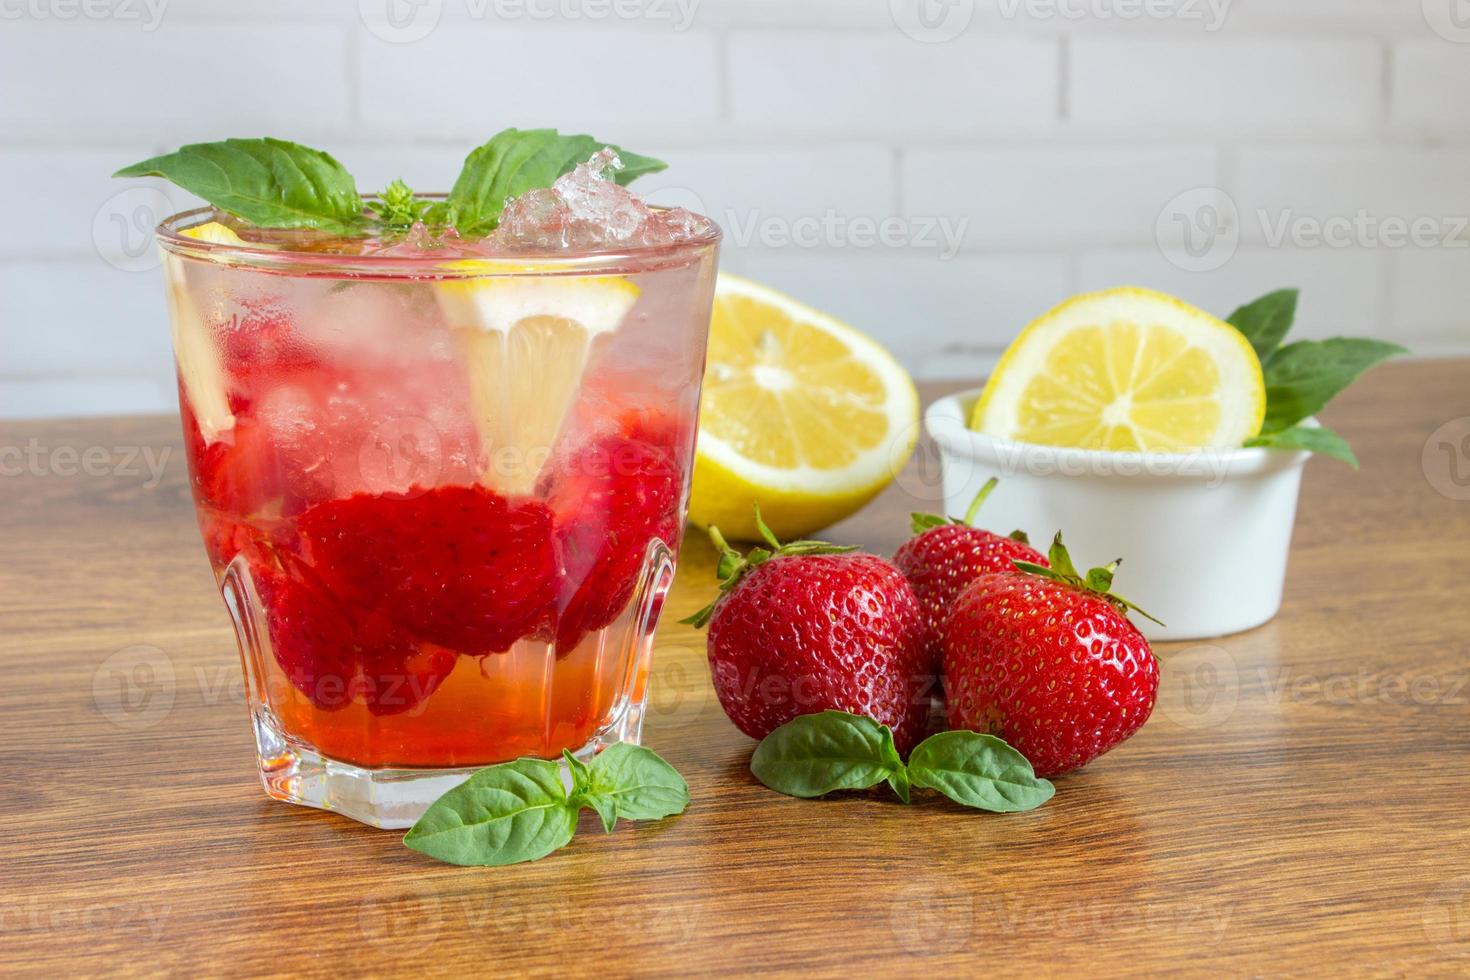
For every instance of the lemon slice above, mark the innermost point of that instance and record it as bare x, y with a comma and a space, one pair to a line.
200, 371
214, 233
1126, 369
800, 413
525, 341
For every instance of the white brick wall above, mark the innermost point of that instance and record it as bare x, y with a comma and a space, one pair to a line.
1029, 155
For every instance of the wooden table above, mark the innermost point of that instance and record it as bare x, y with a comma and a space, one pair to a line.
1299, 802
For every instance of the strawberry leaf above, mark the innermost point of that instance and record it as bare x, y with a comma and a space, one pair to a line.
731, 568
1097, 580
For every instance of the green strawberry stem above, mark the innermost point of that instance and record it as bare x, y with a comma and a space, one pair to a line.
923, 522
733, 567
979, 501
1098, 581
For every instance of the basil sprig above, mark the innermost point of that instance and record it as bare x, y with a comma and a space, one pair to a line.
521, 811
274, 183
813, 755
1302, 377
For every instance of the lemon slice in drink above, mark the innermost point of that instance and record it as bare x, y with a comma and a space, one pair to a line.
1126, 369
200, 369
525, 341
214, 233
801, 413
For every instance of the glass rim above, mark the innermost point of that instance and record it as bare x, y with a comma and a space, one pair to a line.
262, 258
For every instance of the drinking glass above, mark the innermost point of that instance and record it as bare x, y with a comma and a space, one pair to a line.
442, 495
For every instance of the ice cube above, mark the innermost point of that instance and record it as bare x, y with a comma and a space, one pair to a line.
586, 209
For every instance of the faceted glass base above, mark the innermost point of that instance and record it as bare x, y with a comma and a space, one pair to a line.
501, 706
385, 798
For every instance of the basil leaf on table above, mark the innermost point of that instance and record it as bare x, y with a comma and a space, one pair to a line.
268, 182
630, 782
817, 754
980, 771
517, 160
516, 811
1266, 321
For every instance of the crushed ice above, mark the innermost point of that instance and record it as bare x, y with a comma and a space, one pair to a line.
587, 208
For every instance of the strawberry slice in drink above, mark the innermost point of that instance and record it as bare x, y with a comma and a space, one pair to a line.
611, 498
334, 655
461, 567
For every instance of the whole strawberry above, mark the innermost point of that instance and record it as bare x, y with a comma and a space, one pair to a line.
807, 627
1048, 660
946, 554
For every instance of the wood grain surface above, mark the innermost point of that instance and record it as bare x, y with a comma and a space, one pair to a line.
1299, 803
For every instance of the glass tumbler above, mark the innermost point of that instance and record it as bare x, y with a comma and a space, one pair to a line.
442, 496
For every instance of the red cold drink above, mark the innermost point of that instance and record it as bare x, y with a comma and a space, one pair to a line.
441, 485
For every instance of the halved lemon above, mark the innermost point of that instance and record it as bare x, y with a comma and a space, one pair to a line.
801, 413
525, 341
1126, 369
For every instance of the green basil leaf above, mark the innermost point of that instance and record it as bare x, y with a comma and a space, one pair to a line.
1266, 321
607, 809
267, 182
516, 811
898, 781
517, 160
814, 755
634, 783
978, 770
1303, 377
1315, 439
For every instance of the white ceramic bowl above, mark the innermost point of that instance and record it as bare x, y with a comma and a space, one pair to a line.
1203, 536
